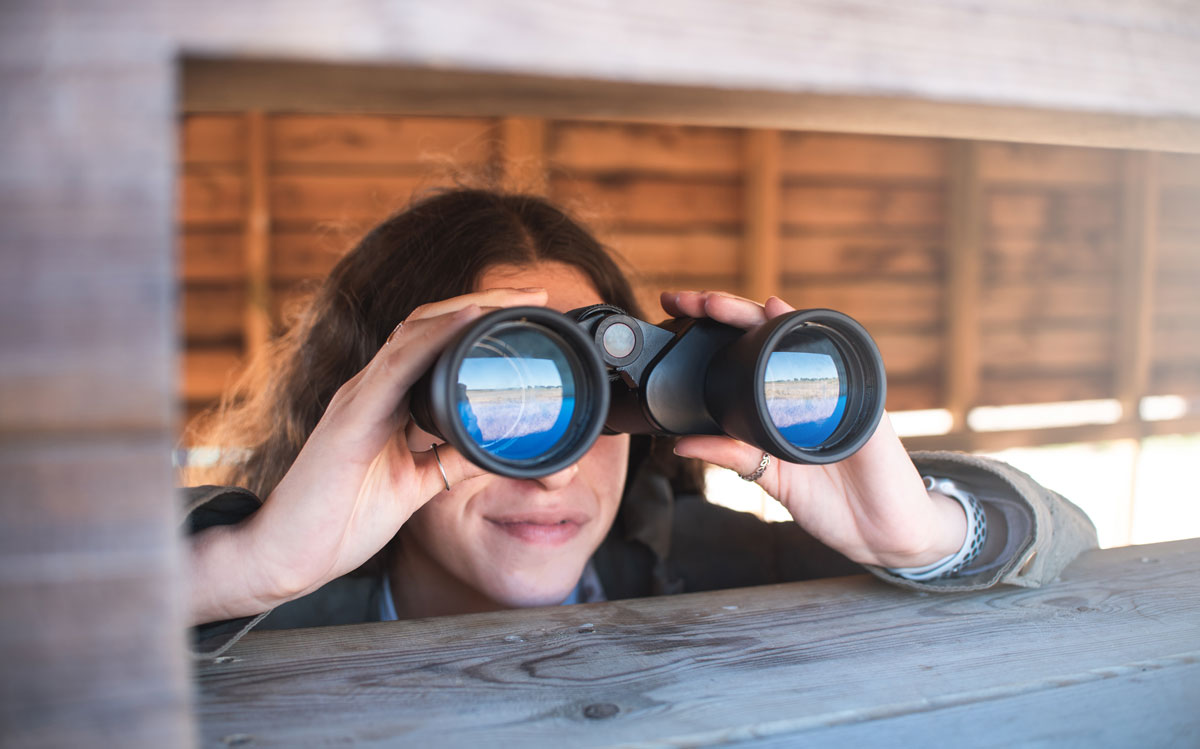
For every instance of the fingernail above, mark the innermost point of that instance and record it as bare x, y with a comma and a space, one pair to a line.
533, 289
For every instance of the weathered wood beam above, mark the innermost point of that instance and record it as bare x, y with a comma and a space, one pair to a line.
963, 280
257, 235
762, 215
523, 154
1002, 440
1136, 271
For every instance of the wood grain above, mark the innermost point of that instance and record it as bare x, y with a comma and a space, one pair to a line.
801, 661
582, 147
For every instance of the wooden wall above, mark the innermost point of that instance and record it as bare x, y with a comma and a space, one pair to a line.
858, 223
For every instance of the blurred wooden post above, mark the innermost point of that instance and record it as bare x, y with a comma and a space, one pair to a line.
257, 239
523, 154
1136, 269
762, 215
964, 269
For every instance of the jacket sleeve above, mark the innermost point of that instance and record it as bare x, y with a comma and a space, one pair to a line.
206, 507
1033, 532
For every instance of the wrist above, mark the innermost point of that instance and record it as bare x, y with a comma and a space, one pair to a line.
227, 581
973, 538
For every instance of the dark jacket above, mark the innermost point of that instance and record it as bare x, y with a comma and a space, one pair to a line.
663, 543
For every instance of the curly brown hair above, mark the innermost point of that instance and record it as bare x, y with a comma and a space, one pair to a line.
435, 249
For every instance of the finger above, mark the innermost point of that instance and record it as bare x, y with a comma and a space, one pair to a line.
487, 298
371, 403
729, 453
457, 469
734, 310
776, 307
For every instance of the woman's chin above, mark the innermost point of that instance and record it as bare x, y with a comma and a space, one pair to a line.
523, 594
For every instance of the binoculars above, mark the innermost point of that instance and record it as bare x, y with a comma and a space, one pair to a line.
524, 392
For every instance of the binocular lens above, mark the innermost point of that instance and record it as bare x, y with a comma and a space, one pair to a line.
516, 391
805, 387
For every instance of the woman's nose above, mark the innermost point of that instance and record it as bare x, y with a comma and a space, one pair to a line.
558, 480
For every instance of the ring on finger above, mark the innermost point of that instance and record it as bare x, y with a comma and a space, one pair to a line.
758, 473
395, 332
441, 467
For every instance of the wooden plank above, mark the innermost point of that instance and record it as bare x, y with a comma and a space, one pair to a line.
1181, 378
299, 255
913, 394
1179, 251
713, 668
1043, 387
1079, 299
1135, 281
523, 154
861, 207
1045, 348
645, 202
964, 281
214, 314
208, 372
257, 237
1178, 209
1053, 213
682, 253
211, 256
211, 195
212, 139
348, 140
1072, 435
913, 303
1179, 170
1175, 297
909, 354
1175, 342
357, 200
595, 148
875, 158
761, 215
881, 251
1025, 163
1062, 253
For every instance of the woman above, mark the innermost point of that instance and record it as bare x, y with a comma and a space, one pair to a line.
362, 521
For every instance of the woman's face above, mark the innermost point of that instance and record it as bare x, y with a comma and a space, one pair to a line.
515, 542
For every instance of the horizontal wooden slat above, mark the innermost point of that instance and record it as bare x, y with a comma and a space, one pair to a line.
212, 196
1179, 170
1048, 299
862, 206
905, 394
1048, 387
648, 149
355, 140
679, 254
213, 139
1025, 163
1070, 435
1177, 299
1176, 341
212, 256
1045, 348
822, 155
909, 355
872, 301
207, 372
298, 255
308, 200
651, 201
214, 314
1175, 379
1064, 252
863, 252
1179, 252
1181, 209
1055, 214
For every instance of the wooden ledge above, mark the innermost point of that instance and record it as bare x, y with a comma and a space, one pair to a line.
1109, 654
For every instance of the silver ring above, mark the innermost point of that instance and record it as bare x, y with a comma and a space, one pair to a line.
395, 332
762, 468
441, 467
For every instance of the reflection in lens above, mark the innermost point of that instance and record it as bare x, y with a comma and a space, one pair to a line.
805, 388
516, 392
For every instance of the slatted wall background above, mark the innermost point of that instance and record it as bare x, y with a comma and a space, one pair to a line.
857, 223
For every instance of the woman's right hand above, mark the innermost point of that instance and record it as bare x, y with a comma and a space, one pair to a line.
353, 485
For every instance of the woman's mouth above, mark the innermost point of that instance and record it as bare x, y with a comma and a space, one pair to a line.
544, 529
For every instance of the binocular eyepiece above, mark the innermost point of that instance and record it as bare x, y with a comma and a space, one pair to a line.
524, 392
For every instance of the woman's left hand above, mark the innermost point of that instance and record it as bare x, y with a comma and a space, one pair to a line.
872, 506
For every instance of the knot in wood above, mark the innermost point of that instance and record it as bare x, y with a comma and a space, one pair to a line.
600, 710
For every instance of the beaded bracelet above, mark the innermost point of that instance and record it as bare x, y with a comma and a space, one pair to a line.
972, 544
